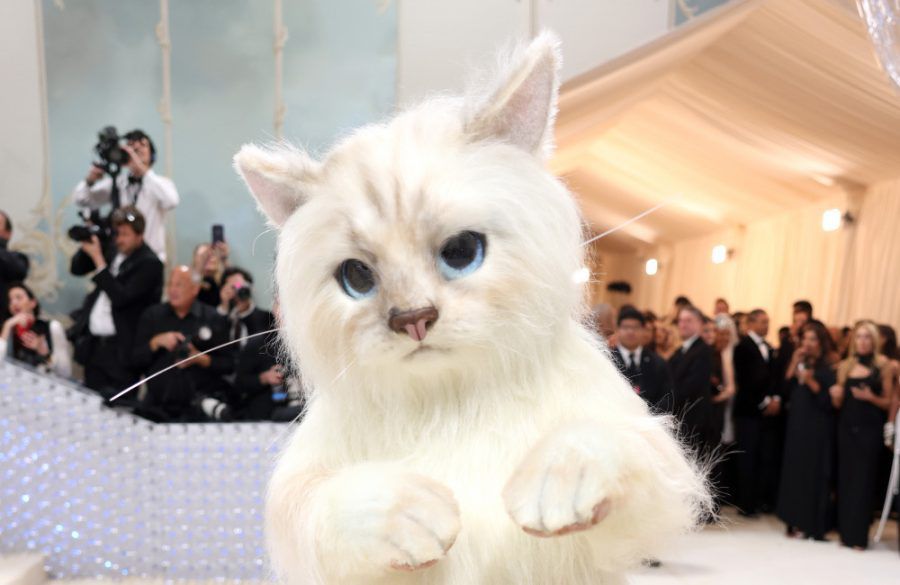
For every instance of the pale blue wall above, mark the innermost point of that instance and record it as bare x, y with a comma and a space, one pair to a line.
696, 8
104, 67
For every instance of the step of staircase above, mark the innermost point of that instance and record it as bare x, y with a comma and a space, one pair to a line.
22, 569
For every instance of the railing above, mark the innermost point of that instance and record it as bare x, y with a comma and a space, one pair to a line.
103, 493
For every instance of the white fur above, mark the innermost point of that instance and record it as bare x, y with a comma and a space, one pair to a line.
515, 421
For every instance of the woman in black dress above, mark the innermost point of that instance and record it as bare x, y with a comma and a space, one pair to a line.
28, 338
804, 495
863, 404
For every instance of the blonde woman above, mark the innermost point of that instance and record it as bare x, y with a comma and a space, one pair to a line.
724, 341
723, 338
862, 393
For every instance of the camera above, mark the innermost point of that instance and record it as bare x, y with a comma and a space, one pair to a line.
243, 292
109, 148
215, 409
92, 224
183, 350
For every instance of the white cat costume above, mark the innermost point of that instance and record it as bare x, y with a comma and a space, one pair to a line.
463, 426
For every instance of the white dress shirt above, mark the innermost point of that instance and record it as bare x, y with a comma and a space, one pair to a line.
760, 343
687, 343
155, 196
632, 357
100, 322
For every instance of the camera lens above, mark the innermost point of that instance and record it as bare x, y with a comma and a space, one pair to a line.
79, 233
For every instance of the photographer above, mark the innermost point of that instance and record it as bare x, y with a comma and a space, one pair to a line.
150, 193
13, 265
127, 283
169, 332
236, 303
265, 388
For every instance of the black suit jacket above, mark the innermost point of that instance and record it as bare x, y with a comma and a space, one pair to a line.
13, 268
754, 377
692, 399
653, 383
138, 285
253, 399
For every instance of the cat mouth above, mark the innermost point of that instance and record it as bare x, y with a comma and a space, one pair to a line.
424, 349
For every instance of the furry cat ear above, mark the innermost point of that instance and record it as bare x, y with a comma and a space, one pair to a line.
521, 110
277, 177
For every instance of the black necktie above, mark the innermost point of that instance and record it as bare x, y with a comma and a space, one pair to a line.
631, 371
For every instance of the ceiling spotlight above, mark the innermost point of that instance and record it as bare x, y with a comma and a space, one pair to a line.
582, 275
831, 220
719, 254
652, 267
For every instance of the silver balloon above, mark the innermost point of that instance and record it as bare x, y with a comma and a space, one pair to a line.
882, 19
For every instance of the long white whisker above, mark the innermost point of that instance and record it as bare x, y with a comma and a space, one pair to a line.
280, 436
261, 234
627, 222
176, 364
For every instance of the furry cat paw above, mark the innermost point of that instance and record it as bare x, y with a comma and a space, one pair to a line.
562, 486
402, 522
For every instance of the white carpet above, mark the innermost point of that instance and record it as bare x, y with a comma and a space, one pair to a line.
747, 552
754, 552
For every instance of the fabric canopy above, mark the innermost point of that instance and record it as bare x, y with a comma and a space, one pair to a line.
754, 109
748, 122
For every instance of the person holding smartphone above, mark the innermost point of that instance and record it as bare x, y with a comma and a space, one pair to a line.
28, 338
210, 262
807, 473
863, 395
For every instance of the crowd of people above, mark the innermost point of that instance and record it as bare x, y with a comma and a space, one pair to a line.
125, 332
799, 430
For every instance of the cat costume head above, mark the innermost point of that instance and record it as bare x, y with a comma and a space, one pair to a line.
431, 244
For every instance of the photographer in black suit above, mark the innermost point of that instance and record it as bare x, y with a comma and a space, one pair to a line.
645, 370
237, 305
126, 283
181, 328
691, 367
756, 405
265, 386
13, 265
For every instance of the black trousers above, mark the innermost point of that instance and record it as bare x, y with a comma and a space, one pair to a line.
105, 372
748, 436
760, 442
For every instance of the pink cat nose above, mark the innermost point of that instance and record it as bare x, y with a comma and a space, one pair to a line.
415, 322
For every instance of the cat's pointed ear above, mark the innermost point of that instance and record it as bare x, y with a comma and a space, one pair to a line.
278, 177
522, 108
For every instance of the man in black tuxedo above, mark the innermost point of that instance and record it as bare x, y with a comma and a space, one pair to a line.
645, 370
691, 367
756, 405
128, 281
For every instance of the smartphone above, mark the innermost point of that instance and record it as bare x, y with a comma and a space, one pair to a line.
218, 233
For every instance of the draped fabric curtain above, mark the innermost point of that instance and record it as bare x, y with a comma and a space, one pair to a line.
848, 274
871, 290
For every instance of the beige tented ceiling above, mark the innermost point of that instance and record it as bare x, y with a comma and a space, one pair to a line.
760, 107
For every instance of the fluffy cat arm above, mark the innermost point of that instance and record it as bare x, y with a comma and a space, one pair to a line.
627, 484
363, 521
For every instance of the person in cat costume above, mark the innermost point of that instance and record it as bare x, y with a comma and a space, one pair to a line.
464, 426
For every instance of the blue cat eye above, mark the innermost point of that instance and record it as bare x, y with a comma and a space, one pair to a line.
462, 255
356, 278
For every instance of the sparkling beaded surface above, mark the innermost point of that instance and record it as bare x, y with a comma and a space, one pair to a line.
105, 494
